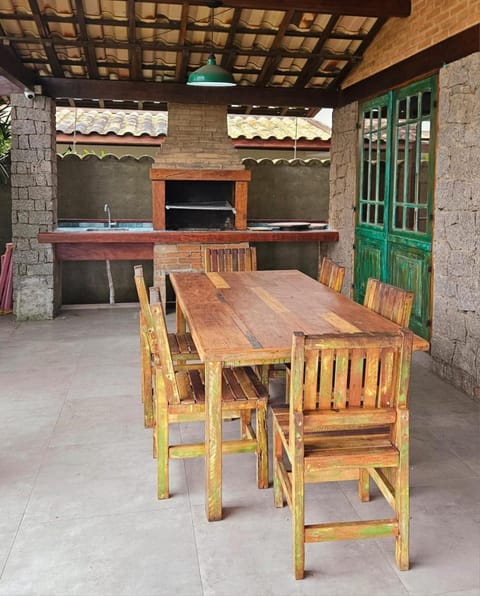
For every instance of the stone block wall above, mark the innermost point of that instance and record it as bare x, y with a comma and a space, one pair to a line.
455, 344
34, 207
343, 189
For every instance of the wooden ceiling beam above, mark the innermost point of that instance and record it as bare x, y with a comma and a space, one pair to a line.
134, 52
181, 66
44, 33
271, 63
83, 35
174, 92
161, 46
313, 64
367, 8
228, 59
174, 25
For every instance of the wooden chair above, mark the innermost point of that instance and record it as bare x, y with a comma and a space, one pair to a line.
331, 274
182, 347
348, 411
230, 259
389, 301
180, 397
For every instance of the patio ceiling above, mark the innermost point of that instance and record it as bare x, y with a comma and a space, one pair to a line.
287, 58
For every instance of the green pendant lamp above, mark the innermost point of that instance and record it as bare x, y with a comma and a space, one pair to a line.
211, 75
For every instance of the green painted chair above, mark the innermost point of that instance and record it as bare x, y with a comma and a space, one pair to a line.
348, 413
180, 397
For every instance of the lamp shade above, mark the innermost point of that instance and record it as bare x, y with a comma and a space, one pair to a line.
211, 75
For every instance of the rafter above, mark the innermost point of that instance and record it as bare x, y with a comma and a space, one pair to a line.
161, 46
89, 50
134, 51
44, 33
228, 59
271, 63
313, 63
182, 57
174, 25
372, 8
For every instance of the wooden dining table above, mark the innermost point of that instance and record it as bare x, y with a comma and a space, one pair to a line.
248, 318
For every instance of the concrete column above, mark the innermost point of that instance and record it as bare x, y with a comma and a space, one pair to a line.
36, 287
343, 162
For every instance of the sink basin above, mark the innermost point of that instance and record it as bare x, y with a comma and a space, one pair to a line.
105, 229
90, 226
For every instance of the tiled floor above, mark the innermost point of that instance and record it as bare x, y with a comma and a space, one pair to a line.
79, 514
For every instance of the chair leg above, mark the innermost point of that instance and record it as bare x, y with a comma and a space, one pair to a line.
278, 499
162, 440
298, 519
154, 426
245, 420
262, 446
402, 497
364, 485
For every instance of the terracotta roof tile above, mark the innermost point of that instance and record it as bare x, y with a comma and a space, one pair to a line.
140, 123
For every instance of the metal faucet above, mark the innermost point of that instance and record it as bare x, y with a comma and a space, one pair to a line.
106, 208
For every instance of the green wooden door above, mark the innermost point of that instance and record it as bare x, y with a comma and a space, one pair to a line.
394, 207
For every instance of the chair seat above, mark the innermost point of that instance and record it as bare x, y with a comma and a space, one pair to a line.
182, 346
240, 389
369, 447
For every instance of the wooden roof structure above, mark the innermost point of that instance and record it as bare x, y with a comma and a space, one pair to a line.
287, 58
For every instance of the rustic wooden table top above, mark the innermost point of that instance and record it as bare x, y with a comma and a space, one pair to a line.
249, 317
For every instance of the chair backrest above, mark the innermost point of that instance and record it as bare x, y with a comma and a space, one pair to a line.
331, 274
163, 355
145, 314
230, 259
146, 319
351, 379
389, 301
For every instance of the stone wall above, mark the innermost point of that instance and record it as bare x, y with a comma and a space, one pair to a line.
456, 254
34, 207
343, 189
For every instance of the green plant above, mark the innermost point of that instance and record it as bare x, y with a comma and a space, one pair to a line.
5, 141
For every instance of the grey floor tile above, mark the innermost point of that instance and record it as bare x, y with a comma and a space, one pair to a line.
18, 472
444, 534
249, 554
95, 479
108, 419
39, 384
93, 382
112, 555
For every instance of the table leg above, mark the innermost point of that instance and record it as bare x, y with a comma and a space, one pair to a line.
213, 440
181, 323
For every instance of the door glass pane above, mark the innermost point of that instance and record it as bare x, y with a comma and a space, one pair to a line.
411, 162
372, 168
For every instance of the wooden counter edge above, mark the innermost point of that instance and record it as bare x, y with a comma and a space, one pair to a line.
185, 237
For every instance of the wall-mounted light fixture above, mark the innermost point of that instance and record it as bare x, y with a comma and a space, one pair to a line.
211, 75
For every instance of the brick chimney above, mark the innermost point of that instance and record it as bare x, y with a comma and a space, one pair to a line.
198, 138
